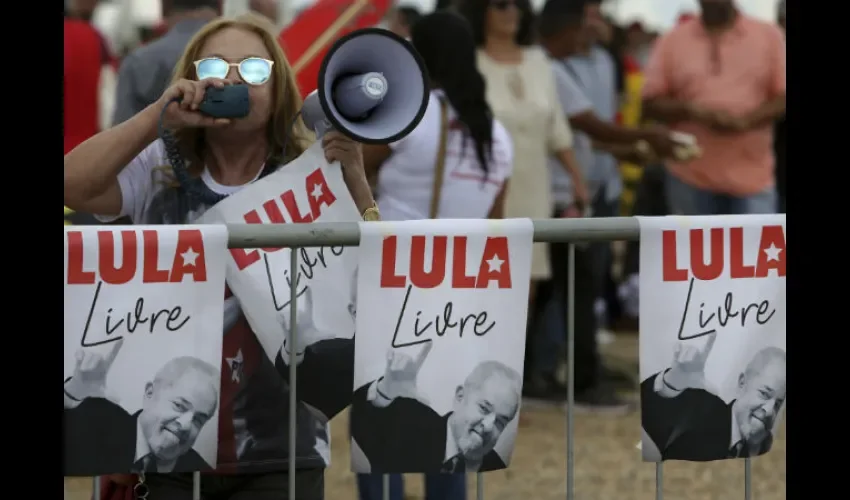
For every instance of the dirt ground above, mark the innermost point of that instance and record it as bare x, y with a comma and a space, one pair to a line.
607, 463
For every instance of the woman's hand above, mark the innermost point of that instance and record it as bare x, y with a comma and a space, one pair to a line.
341, 148
184, 113
570, 163
581, 195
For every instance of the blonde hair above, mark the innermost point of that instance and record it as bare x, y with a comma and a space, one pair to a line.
287, 135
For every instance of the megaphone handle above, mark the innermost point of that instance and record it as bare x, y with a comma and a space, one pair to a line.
321, 128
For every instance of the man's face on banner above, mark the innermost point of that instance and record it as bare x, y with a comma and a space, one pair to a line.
173, 414
481, 413
761, 394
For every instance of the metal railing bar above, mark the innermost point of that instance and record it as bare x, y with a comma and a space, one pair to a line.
348, 233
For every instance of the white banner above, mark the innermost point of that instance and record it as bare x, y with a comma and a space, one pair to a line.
441, 320
307, 189
712, 335
143, 337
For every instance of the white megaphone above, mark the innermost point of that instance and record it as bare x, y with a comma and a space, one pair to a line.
373, 87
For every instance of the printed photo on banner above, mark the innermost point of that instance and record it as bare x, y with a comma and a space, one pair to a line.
712, 335
143, 340
324, 280
438, 362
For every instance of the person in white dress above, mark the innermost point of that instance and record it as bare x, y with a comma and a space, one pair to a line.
521, 91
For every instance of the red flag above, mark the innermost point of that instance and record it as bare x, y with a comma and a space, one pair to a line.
308, 38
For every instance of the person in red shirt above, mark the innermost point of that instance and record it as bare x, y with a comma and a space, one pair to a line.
85, 55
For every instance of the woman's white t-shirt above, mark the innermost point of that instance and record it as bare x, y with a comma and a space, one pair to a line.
146, 177
406, 178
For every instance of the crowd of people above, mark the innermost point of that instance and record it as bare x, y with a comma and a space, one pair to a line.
565, 114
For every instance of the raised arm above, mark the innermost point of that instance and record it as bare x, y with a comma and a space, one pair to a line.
92, 168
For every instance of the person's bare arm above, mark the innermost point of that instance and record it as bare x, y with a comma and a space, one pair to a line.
767, 113
92, 168
622, 152
374, 155
670, 110
602, 131
497, 211
568, 159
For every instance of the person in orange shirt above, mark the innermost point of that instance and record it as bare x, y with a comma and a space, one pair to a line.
721, 78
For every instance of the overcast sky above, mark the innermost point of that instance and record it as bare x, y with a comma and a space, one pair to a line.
655, 13
659, 14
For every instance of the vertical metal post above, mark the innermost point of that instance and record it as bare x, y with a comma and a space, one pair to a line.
571, 368
95, 488
748, 479
659, 481
385, 487
293, 364
479, 486
196, 485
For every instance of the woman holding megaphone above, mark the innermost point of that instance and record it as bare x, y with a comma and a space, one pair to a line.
127, 171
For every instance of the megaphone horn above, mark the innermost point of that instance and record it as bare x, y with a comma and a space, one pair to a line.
373, 87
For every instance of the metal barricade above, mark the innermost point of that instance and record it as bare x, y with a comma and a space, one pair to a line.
348, 234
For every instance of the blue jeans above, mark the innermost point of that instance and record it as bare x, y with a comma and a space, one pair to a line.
684, 199
437, 486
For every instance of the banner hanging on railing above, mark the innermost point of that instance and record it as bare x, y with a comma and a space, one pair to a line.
143, 337
712, 335
441, 320
308, 189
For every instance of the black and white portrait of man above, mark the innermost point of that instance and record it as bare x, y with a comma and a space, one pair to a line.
683, 418
396, 430
324, 359
102, 437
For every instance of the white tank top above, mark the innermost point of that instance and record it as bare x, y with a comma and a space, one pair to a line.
406, 178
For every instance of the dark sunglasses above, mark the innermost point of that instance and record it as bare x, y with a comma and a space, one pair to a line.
503, 4
253, 70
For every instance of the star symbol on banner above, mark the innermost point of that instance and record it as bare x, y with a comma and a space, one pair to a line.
495, 264
236, 363
772, 252
316, 193
189, 257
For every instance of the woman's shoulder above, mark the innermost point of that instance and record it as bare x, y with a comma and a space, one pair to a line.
486, 63
426, 127
156, 149
535, 56
153, 161
152, 156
